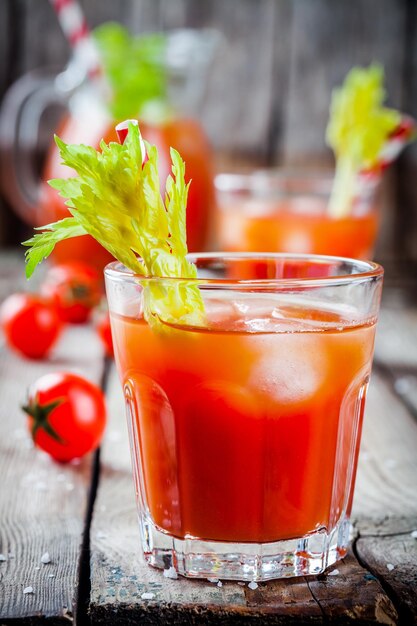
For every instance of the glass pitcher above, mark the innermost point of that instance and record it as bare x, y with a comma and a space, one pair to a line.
29, 116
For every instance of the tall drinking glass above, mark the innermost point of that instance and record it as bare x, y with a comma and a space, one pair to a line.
245, 429
287, 211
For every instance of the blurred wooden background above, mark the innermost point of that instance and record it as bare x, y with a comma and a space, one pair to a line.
269, 93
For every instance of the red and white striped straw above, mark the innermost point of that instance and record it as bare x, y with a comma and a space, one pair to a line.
122, 130
74, 26
394, 145
398, 139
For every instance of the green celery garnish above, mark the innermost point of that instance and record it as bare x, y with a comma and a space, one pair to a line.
134, 68
358, 128
118, 202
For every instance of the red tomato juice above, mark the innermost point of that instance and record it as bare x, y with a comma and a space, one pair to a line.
247, 432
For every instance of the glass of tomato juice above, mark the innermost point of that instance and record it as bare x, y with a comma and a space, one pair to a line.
245, 430
286, 210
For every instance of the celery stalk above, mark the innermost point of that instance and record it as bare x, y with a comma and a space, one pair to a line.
359, 126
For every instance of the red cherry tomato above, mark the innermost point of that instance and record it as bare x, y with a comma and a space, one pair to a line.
104, 332
67, 415
31, 325
75, 288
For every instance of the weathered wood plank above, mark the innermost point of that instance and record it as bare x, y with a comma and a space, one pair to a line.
42, 504
386, 526
396, 342
340, 36
275, 138
242, 80
119, 576
396, 346
12, 275
387, 472
36, 50
99, 11
393, 560
406, 222
5, 45
350, 595
9, 43
405, 385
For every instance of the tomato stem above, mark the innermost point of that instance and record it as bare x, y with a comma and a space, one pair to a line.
40, 414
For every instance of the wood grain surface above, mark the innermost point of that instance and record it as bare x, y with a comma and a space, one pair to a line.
387, 472
393, 558
42, 504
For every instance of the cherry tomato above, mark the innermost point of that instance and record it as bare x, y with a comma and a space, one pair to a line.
75, 288
67, 415
31, 324
104, 332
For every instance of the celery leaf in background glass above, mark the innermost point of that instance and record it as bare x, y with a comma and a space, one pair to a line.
134, 67
359, 126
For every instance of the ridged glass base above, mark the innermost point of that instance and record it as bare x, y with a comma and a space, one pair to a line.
196, 558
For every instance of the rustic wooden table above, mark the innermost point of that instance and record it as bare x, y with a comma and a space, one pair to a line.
83, 514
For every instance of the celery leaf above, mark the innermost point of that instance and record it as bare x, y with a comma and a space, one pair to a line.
41, 244
359, 126
117, 201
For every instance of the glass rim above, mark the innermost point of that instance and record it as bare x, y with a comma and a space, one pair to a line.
276, 179
370, 270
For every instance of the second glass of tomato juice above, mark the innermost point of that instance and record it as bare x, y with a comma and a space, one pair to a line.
296, 212
245, 426
287, 211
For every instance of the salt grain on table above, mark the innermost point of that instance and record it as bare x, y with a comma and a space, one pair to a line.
101, 535
45, 558
37, 568
414, 534
334, 572
220, 584
390, 567
213, 580
253, 585
2, 558
51, 575
28, 590
147, 596
171, 573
